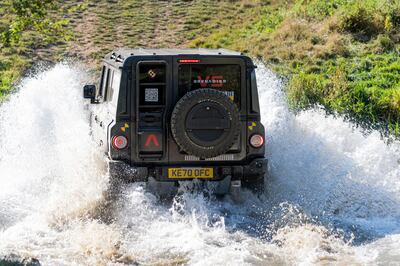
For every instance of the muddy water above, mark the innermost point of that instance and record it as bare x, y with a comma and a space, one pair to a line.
333, 196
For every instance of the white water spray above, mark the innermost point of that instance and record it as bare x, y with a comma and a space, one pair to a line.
329, 184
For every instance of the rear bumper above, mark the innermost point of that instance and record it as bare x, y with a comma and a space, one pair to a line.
250, 171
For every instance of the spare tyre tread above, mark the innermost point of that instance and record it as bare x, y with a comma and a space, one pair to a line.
187, 102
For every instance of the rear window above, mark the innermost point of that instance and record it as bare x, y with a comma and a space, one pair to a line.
225, 78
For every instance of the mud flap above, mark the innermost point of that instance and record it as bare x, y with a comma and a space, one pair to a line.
223, 186
161, 189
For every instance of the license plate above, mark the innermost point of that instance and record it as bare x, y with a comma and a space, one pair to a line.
190, 172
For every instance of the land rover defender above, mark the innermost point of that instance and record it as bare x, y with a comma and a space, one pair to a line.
171, 115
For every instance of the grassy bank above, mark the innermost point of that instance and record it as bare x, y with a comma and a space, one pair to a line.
28, 38
341, 54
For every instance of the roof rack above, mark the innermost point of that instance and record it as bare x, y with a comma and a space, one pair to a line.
120, 59
117, 58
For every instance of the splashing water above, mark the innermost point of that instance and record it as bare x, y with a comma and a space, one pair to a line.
333, 196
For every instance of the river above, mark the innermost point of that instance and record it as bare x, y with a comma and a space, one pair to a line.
333, 196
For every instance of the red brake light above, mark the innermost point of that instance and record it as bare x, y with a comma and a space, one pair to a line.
188, 61
119, 142
256, 140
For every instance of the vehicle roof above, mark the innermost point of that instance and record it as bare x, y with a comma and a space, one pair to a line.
122, 54
126, 52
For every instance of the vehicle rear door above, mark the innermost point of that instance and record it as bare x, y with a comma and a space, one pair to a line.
152, 84
223, 73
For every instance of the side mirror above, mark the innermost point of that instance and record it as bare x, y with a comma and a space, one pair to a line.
89, 92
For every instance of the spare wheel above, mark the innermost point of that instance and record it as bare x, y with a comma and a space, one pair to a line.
205, 123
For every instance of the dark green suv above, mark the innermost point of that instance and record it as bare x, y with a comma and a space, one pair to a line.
170, 115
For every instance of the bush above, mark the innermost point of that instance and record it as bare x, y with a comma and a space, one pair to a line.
383, 43
317, 9
362, 21
32, 15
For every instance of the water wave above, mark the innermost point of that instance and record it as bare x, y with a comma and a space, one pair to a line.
333, 196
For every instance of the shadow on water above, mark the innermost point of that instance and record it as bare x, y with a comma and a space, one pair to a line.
15, 260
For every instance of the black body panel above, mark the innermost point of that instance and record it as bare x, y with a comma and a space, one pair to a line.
142, 93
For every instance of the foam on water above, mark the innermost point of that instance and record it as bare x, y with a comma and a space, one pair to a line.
333, 195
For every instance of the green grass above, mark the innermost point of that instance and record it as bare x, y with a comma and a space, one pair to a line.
32, 47
365, 89
341, 54
12, 68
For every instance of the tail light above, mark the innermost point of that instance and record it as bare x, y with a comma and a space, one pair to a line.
188, 61
119, 142
256, 141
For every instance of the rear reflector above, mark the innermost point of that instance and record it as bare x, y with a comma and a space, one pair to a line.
119, 142
188, 61
256, 141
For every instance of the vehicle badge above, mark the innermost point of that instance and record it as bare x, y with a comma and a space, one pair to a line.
152, 74
251, 125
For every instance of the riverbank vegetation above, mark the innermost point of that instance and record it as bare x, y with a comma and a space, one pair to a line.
342, 55
30, 31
